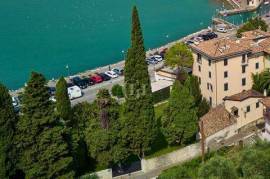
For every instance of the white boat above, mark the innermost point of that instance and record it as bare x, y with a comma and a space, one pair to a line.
266, 2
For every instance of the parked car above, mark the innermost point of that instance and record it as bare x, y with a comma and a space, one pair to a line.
78, 82
111, 74
221, 29
151, 60
88, 81
189, 42
52, 91
212, 35
158, 58
118, 71
104, 76
74, 92
96, 78
16, 104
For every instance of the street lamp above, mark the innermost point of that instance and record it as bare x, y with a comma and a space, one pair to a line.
67, 67
123, 52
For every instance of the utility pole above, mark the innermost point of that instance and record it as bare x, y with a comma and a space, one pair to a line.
202, 140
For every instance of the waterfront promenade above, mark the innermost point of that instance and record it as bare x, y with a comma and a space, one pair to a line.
89, 94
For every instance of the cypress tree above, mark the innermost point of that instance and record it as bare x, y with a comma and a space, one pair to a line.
63, 106
7, 129
180, 121
139, 118
44, 154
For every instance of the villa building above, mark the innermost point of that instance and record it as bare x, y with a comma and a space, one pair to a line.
239, 114
224, 66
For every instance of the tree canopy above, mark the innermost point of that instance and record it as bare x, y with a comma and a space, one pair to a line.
8, 121
43, 151
139, 125
178, 56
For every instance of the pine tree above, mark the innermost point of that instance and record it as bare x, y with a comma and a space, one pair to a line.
63, 106
139, 118
180, 121
7, 130
43, 154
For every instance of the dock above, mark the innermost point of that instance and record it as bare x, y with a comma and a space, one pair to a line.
236, 11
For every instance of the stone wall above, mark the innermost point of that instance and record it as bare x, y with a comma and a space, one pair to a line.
171, 159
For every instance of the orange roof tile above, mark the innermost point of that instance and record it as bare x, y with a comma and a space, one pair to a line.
216, 119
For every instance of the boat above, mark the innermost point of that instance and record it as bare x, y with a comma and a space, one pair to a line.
266, 2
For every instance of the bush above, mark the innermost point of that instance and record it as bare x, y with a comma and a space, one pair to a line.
117, 91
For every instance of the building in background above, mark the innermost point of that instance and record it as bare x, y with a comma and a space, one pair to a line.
240, 115
224, 66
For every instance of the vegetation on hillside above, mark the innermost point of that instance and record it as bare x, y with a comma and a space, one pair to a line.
236, 162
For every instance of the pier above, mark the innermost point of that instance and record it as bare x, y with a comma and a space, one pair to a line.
237, 11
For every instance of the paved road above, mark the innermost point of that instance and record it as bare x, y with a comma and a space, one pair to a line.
89, 94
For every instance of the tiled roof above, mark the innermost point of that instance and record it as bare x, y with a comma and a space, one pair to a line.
216, 119
244, 95
266, 102
251, 41
222, 47
255, 34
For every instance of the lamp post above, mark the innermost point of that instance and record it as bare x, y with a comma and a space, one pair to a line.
123, 53
67, 67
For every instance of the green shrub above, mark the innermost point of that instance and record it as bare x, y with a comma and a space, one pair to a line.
117, 91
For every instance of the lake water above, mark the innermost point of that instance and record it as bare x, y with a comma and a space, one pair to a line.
46, 35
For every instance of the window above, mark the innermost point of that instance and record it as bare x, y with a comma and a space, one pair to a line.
209, 62
257, 65
226, 87
243, 69
210, 101
208, 86
199, 79
248, 109
209, 74
244, 58
199, 68
199, 58
211, 87
225, 74
225, 62
257, 104
235, 113
243, 81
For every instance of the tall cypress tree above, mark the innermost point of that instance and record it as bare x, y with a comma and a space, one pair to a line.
180, 120
139, 118
63, 106
7, 129
44, 154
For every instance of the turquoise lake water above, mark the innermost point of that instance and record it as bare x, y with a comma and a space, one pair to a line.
46, 35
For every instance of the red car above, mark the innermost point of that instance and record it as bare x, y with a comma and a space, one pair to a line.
96, 78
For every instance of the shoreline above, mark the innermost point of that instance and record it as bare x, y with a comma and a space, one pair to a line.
119, 64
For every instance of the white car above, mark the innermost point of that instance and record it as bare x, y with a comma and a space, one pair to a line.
158, 58
74, 92
221, 29
111, 74
15, 101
